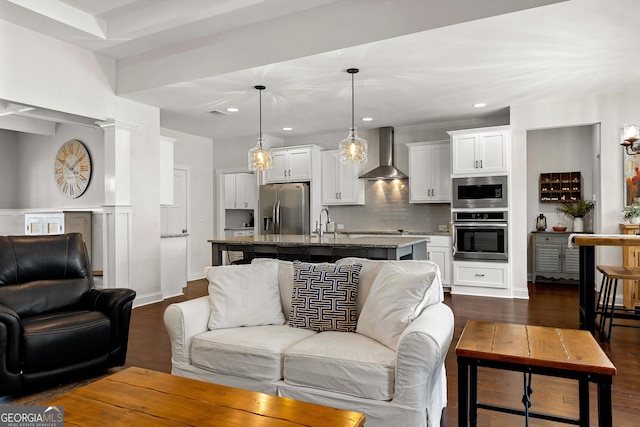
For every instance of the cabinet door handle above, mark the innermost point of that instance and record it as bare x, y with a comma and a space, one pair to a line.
340, 195
433, 192
428, 256
479, 275
246, 204
480, 164
476, 166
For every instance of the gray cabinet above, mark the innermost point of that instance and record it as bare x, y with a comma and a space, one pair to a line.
553, 259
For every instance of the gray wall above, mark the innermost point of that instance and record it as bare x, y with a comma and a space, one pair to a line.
8, 169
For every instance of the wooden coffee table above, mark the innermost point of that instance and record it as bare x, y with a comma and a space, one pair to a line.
566, 353
136, 397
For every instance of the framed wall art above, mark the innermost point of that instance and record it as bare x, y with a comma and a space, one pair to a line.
631, 178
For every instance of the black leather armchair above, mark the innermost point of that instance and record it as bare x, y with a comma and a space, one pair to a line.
54, 324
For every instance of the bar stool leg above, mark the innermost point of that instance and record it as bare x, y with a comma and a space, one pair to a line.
613, 302
601, 307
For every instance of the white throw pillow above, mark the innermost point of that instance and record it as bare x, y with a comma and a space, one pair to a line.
395, 299
244, 295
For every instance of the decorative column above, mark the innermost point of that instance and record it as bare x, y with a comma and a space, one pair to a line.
117, 209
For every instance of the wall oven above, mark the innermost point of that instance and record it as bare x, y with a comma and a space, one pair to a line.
480, 192
480, 236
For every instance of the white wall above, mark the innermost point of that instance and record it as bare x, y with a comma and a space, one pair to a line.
8, 169
36, 154
612, 111
51, 74
197, 152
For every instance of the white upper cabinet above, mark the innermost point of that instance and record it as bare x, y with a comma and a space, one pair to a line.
430, 172
239, 191
483, 151
340, 182
290, 164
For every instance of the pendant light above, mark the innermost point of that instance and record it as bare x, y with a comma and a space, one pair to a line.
260, 159
353, 148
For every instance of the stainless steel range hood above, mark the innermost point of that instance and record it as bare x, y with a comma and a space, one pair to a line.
386, 170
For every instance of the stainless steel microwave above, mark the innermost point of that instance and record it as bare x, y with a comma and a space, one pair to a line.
480, 192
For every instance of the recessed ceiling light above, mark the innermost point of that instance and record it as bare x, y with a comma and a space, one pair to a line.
232, 110
367, 119
480, 104
287, 128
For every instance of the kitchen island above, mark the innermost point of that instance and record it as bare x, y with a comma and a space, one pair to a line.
321, 248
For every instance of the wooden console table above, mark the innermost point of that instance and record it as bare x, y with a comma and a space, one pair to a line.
587, 244
566, 353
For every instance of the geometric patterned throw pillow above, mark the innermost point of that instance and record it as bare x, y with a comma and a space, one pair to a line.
324, 297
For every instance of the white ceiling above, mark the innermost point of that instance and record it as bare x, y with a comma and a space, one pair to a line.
421, 61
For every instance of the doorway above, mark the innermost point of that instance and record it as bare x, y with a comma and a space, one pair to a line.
562, 149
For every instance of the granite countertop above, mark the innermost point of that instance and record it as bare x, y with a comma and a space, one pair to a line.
399, 232
327, 240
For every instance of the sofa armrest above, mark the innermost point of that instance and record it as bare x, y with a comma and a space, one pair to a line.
422, 349
185, 320
10, 337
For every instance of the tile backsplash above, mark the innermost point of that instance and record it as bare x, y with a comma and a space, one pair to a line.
387, 208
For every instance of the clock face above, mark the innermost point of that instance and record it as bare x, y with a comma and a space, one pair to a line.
72, 169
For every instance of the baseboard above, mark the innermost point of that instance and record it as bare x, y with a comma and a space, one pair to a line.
147, 299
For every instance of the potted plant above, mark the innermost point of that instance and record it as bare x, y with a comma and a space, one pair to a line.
577, 210
632, 212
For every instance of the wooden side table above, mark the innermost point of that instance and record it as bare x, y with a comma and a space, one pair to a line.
566, 353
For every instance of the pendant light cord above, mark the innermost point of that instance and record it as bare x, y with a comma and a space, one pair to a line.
260, 92
353, 123
352, 71
260, 89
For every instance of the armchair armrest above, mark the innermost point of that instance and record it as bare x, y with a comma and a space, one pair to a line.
116, 304
422, 349
184, 321
10, 333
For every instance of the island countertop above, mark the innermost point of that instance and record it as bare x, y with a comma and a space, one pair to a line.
401, 247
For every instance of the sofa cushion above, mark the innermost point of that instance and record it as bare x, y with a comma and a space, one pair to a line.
395, 299
324, 297
250, 352
342, 362
244, 295
371, 268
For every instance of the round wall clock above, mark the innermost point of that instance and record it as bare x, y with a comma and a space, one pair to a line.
72, 168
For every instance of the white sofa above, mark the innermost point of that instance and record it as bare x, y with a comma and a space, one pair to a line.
400, 386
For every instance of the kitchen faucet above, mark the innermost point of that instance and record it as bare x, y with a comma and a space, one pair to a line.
319, 222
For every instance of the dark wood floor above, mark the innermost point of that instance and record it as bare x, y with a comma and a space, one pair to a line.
549, 305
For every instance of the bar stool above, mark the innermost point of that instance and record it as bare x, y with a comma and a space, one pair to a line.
338, 252
606, 300
293, 253
239, 254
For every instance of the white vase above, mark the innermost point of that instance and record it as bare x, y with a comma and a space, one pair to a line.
634, 220
578, 225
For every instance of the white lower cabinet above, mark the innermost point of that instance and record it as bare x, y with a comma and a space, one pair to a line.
472, 274
439, 251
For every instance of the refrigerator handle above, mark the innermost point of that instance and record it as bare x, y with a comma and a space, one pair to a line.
276, 216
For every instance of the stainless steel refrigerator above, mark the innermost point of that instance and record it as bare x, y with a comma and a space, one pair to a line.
284, 208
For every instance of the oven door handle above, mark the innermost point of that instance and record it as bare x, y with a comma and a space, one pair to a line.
481, 224
455, 240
